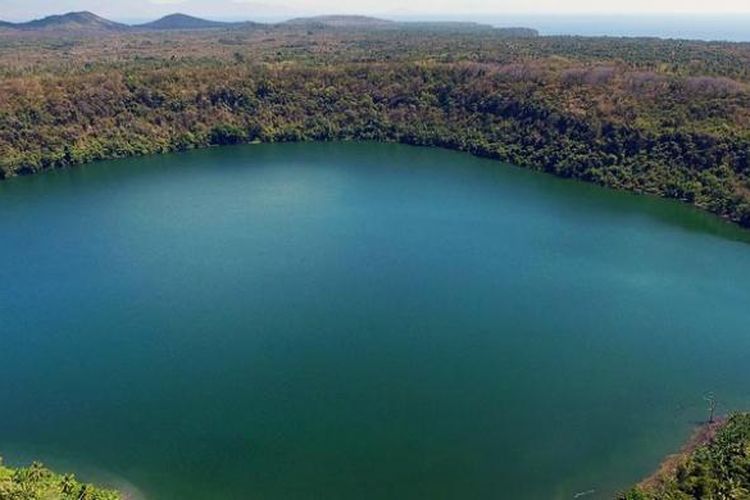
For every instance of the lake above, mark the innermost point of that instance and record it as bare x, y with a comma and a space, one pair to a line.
359, 321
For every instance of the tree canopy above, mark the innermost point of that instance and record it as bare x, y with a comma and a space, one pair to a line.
665, 117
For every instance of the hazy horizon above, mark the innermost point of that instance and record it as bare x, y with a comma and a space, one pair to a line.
248, 9
710, 26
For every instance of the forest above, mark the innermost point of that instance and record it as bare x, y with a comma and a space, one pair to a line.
663, 117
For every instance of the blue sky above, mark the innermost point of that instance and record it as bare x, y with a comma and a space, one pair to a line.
249, 9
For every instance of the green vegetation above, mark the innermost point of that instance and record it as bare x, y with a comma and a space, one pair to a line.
718, 467
38, 483
665, 117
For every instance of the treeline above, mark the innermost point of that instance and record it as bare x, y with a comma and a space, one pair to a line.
610, 122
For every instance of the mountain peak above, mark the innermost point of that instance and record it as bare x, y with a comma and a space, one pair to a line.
83, 20
179, 21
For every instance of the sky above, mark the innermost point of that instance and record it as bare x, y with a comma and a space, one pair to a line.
20, 10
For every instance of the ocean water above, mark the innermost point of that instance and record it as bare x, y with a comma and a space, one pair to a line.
724, 27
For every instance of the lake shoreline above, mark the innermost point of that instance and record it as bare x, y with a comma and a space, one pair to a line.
703, 464
701, 435
490, 155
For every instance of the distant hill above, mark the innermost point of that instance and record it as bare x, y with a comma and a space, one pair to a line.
185, 22
72, 21
86, 22
445, 26
365, 22
341, 22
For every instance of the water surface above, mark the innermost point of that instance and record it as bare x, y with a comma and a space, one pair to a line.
359, 321
731, 27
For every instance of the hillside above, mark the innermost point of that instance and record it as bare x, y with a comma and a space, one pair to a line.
87, 22
663, 117
374, 23
340, 22
185, 22
517, 32
72, 21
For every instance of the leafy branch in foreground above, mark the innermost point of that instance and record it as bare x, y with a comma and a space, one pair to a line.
36, 482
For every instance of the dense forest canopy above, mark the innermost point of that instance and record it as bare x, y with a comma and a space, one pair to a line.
667, 117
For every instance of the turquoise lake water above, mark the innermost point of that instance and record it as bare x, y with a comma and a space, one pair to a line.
359, 321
